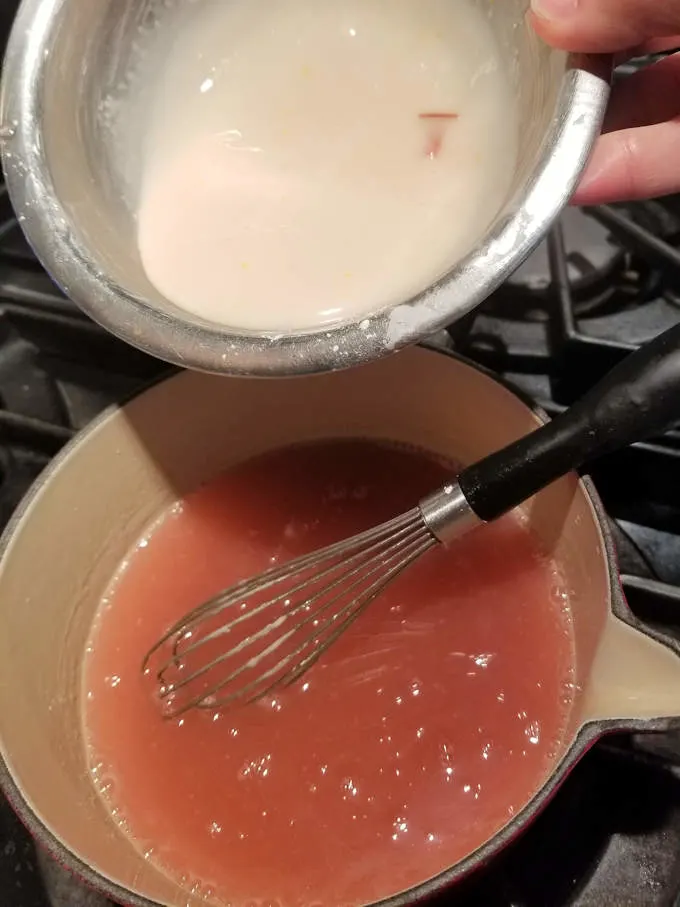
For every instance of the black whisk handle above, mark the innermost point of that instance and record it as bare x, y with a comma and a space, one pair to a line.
638, 399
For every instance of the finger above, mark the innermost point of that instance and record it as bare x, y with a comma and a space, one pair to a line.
649, 48
658, 46
633, 164
650, 96
604, 26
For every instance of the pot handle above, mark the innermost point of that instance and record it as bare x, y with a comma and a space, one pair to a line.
634, 677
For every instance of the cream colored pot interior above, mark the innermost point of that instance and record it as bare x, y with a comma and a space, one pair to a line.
132, 463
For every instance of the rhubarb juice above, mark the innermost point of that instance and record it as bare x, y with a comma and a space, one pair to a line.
421, 732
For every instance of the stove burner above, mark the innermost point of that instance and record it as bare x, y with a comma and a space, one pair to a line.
593, 262
604, 277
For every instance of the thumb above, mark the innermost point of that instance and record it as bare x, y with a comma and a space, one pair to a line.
604, 26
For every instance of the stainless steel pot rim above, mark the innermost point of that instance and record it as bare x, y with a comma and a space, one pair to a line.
587, 736
207, 347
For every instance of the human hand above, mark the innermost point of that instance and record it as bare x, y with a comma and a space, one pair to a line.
638, 155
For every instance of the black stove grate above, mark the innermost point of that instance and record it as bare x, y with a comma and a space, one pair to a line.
607, 280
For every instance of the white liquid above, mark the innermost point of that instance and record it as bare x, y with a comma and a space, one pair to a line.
291, 179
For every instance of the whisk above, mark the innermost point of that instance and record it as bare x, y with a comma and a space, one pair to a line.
265, 632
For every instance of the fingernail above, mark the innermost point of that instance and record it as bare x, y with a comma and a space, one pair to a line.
555, 9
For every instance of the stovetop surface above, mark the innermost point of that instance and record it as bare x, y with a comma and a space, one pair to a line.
606, 281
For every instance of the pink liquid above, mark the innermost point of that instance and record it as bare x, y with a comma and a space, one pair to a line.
425, 728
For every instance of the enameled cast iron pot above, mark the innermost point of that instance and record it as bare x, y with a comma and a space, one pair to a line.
81, 517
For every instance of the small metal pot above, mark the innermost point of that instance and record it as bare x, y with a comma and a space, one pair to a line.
63, 545
67, 58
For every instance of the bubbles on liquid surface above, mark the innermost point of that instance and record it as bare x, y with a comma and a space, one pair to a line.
256, 768
96, 769
569, 690
104, 781
399, 827
349, 788
560, 596
533, 732
447, 761
483, 660
201, 890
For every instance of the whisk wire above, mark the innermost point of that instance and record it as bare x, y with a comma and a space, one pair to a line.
357, 560
348, 568
240, 590
253, 690
354, 608
403, 540
358, 607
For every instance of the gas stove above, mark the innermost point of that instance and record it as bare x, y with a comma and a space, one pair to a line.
606, 280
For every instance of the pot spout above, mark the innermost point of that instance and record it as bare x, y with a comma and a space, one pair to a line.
634, 678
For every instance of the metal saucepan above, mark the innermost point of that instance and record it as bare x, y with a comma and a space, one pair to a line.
71, 533
67, 66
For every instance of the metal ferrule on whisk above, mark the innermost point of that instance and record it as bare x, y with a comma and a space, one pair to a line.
447, 513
